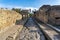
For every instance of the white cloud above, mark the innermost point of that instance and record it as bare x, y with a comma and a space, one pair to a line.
12, 6
32, 8
57, 2
5, 6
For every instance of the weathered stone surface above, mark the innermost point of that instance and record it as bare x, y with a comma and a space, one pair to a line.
8, 17
49, 14
30, 32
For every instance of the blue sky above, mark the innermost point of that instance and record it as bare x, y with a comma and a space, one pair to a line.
27, 3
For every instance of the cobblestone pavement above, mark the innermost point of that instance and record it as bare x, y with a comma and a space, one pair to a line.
30, 31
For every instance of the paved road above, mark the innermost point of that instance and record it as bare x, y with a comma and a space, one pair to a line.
30, 32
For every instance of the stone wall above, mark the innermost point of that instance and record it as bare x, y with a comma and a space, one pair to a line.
49, 14
8, 17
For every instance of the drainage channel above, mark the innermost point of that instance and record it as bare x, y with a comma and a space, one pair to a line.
31, 31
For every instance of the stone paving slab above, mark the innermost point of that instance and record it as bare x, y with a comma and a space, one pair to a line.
50, 32
58, 30
31, 32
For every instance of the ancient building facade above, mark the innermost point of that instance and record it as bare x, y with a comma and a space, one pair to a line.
49, 14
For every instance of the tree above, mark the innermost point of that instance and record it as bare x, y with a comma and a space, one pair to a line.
17, 10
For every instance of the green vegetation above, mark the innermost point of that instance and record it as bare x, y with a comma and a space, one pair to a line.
17, 10
30, 15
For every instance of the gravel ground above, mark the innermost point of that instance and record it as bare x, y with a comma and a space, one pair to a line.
30, 31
